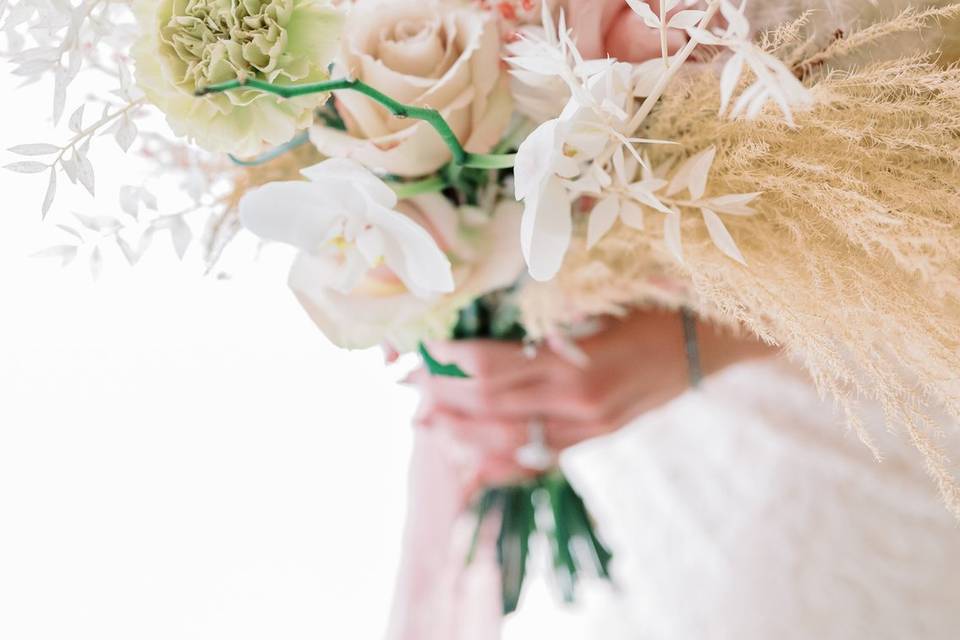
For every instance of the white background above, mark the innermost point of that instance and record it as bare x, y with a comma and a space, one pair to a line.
183, 457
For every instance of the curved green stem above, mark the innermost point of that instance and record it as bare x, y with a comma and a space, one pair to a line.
490, 160
266, 157
430, 116
410, 189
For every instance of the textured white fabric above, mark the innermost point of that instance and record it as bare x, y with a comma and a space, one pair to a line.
746, 511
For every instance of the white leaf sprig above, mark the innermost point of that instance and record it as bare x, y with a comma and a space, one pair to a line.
774, 81
692, 176
627, 200
58, 41
72, 156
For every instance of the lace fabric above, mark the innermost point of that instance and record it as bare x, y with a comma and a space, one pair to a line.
745, 510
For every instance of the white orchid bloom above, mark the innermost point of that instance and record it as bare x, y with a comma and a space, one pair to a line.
554, 164
381, 310
345, 224
546, 225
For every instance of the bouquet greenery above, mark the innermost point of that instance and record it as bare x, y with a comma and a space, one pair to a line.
546, 504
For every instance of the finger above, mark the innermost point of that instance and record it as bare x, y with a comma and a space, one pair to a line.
496, 361
498, 471
498, 438
590, 20
480, 397
390, 355
485, 435
630, 40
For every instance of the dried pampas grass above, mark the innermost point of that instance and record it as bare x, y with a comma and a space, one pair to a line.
854, 253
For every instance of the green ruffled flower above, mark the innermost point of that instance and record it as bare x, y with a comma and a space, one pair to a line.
189, 44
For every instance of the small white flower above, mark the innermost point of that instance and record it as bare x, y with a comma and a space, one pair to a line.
345, 224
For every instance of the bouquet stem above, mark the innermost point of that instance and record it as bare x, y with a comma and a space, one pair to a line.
398, 109
551, 507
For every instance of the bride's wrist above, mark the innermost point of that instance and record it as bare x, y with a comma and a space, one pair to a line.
720, 347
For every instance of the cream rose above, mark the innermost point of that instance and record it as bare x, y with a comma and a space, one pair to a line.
185, 45
439, 54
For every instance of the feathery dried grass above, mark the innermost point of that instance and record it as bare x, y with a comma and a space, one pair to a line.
854, 253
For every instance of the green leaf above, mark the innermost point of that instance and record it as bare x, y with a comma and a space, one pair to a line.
487, 502
513, 544
437, 368
581, 524
470, 321
505, 323
564, 567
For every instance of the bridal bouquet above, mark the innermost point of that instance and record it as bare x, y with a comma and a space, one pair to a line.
455, 169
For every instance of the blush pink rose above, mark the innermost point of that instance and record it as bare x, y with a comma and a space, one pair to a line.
430, 53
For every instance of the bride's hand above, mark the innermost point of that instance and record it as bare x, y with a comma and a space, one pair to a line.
611, 28
631, 367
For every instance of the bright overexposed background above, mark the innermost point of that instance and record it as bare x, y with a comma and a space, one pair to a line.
180, 456
184, 456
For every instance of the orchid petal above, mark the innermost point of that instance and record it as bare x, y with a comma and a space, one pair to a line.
295, 213
545, 230
370, 245
350, 321
412, 254
354, 174
349, 272
534, 159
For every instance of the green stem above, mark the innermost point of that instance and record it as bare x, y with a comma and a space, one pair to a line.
273, 154
410, 189
490, 160
430, 116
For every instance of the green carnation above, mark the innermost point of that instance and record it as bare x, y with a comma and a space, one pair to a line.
189, 44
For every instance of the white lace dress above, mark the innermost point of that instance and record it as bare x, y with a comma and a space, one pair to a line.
746, 511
